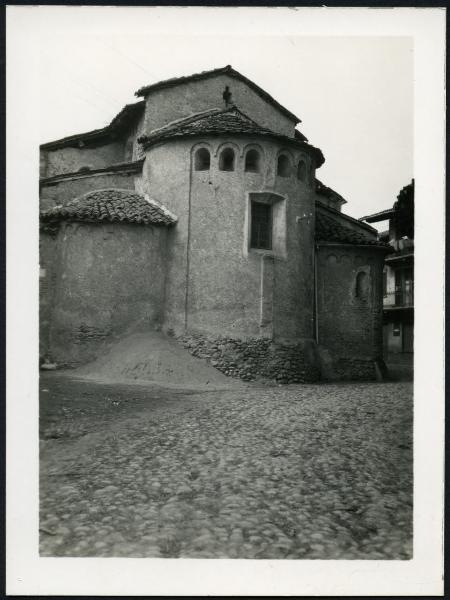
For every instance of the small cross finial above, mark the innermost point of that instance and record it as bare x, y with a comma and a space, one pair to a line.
227, 95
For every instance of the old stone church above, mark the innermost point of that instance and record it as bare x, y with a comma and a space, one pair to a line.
197, 212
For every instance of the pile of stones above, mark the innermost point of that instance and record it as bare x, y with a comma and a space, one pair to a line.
252, 359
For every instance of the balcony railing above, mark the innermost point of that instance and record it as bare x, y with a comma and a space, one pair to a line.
405, 245
400, 298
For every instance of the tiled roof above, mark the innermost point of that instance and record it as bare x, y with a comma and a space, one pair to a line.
110, 205
329, 229
328, 192
120, 122
299, 135
229, 121
228, 70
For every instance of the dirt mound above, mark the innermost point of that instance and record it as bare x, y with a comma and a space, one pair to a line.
152, 356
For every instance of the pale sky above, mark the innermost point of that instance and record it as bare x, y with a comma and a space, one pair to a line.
354, 95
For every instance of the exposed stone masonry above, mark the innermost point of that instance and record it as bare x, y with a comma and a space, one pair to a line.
354, 369
252, 359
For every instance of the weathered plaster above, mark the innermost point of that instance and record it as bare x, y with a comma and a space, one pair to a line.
105, 280
69, 160
213, 285
69, 189
349, 326
170, 104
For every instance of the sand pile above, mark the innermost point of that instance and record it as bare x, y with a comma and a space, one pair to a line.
154, 357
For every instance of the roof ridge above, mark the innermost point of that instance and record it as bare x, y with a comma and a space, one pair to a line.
185, 120
344, 216
213, 124
228, 69
329, 230
201, 115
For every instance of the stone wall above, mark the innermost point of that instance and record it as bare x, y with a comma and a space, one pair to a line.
349, 320
255, 359
354, 369
103, 280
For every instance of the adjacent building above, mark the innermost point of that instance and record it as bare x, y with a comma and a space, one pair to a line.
398, 274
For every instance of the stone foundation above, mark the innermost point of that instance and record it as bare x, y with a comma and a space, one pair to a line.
354, 369
252, 359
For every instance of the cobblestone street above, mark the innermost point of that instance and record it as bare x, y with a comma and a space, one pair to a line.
299, 471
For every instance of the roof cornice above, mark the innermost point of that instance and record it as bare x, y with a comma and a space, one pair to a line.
128, 168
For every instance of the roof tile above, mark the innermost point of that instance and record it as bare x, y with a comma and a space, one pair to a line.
126, 206
218, 122
329, 229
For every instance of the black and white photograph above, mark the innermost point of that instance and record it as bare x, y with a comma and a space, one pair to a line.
227, 356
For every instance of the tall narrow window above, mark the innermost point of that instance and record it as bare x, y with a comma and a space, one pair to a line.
362, 286
226, 160
261, 230
301, 171
202, 160
252, 161
283, 166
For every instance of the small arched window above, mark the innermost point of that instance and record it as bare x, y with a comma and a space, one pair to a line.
362, 286
283, 166
202, 160
253, 161
226, 160
301, 171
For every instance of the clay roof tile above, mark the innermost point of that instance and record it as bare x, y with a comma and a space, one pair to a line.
329, 229
126, 206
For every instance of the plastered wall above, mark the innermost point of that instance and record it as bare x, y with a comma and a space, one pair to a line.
71, 160
169, 104
101, 281
215, 283
69, 189
349, 325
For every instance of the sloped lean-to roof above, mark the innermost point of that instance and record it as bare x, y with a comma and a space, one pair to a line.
113, 206
330, 229
382, 215
121, 121
216, 122
228, 70
329, 193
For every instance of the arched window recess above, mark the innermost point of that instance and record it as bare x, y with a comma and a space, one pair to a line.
227, 159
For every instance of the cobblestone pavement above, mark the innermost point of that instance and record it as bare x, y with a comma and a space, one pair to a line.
300, 471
